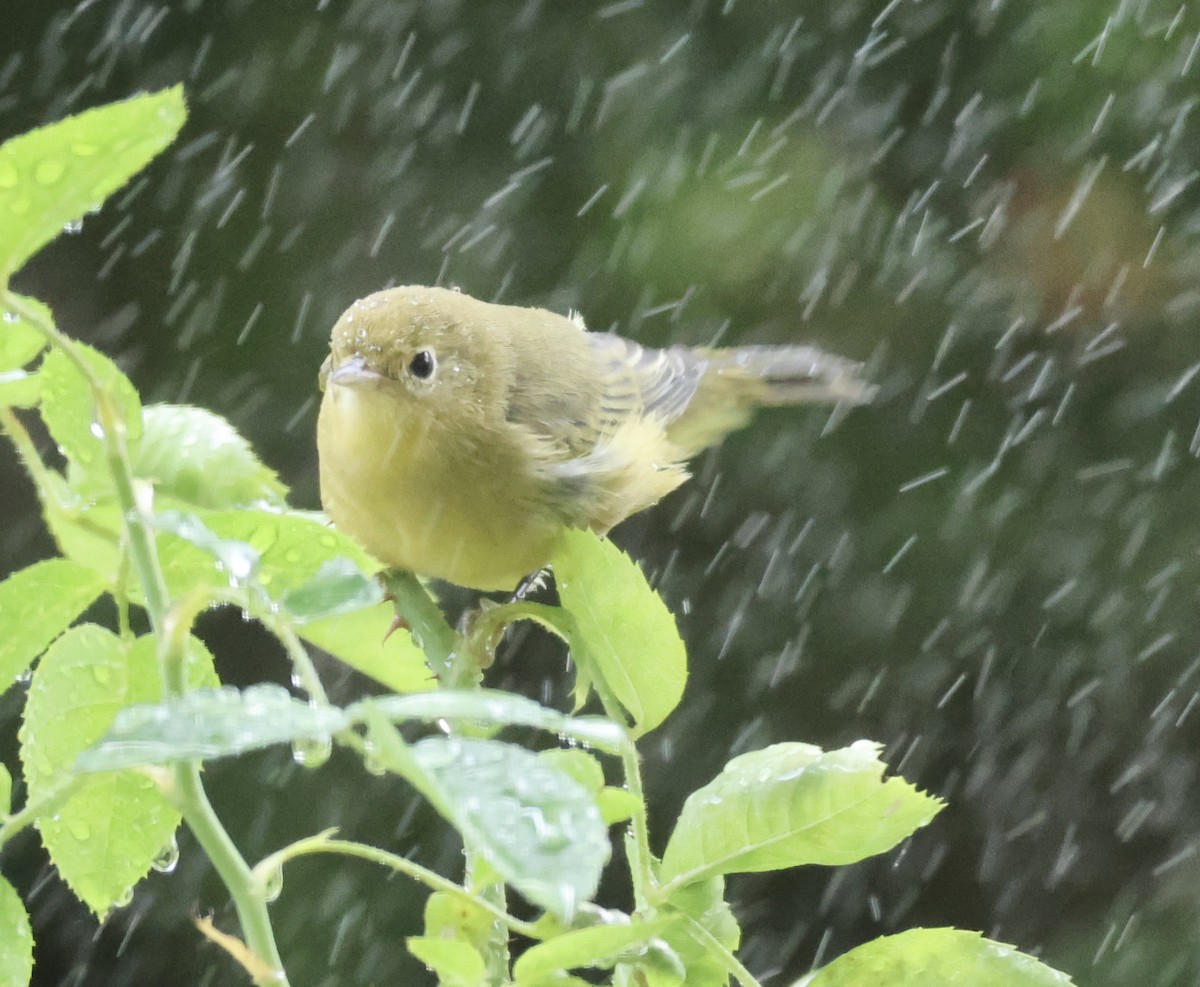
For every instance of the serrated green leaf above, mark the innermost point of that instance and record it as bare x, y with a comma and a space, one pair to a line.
197, 457
793, 804
627, 636
493, 707
36, 605
536, 827
69, 411
57, 174
936, 958
16, 939
105, 837
208, 723
362, 641
20, 342
599, 947
456, 963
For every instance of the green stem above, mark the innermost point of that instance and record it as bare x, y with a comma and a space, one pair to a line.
442, 646
189, 795
493, 896
234, 872
44, 805
641, 868
171, 626
321, 843
732, 964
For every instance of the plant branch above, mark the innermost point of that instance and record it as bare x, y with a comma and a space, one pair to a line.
322, 843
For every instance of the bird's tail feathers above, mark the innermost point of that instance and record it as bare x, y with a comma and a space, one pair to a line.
793, 374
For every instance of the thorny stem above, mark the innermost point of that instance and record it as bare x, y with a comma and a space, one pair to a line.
431, 633
187, 791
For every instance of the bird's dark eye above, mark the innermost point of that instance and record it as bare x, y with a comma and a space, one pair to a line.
422, 365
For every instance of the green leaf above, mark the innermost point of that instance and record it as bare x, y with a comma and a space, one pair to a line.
55, 175
277, 551
536, 827
19, 389
627, 636
16, 939
338, 587
5, 791
86, 531
452, 916
209, 723
793, 804
105, 837
936, 957
20, 342
362, 641
596, 947
69, 410
196, 456
276, 555
704, 903
456, 963
36, 605
615, 804
493, 707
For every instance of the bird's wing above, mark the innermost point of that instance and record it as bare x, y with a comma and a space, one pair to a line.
643, 383
602, 448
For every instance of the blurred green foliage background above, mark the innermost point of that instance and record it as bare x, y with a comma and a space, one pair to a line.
992, 569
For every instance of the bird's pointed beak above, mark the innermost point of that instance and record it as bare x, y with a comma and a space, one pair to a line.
353, 372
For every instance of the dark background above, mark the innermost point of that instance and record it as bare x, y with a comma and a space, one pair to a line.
991, 570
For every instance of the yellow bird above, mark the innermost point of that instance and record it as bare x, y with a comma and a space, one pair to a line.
459, 439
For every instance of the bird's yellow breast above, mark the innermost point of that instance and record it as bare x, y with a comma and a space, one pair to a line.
418, 497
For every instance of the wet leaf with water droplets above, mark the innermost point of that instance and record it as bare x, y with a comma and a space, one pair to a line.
107, 836
293, 549
36, 605
626, 633
937, 958
52, 176
793, 804
536, 826
16, 939
207, 724
196, 456
69, 410
19, 341
493, 707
